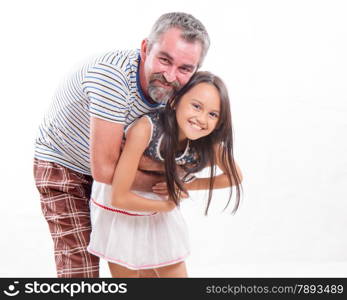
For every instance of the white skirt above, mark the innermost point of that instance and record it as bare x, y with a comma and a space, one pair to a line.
136, 240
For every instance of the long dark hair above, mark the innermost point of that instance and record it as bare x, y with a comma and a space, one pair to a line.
222, 136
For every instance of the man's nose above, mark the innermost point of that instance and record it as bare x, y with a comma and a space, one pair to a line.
170, 75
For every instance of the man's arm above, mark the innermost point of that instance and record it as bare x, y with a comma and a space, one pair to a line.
105, 142
105, 148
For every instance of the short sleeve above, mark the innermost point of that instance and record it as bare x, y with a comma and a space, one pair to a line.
107, 88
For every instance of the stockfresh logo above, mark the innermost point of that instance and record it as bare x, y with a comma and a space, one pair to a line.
71, 289
11, 290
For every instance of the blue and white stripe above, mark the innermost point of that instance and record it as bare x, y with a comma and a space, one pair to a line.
107, 88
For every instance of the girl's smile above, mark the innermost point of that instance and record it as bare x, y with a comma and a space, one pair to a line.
197, 113
195, 125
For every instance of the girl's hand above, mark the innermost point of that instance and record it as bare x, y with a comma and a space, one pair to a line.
169, 205
161, 189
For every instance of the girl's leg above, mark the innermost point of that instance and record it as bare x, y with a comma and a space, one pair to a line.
176, 270
149, 273
118, 271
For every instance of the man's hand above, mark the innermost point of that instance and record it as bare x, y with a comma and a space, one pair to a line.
149, 173
150, 177
161, 189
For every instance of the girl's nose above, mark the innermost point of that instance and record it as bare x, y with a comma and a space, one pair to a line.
202, 119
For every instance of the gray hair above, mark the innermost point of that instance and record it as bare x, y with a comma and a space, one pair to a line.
192, 30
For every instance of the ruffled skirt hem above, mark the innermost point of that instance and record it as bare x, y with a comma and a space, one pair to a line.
137, 267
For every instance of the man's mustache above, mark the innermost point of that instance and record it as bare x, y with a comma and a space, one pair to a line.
161, 78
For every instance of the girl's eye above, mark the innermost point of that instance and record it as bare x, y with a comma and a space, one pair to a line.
214, 115
197, 106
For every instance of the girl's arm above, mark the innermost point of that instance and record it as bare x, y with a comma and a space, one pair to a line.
221, 181
136, 142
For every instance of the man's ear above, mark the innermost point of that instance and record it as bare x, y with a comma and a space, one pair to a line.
144, 49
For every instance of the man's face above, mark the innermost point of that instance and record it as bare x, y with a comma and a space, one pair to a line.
168, 65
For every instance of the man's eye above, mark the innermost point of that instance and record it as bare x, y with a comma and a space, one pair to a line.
185, 70
197, 106
164, 60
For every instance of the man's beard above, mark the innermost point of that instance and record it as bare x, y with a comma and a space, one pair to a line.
161, 94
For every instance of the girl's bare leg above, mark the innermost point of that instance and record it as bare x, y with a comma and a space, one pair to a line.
118, 271
176, 270
149, 273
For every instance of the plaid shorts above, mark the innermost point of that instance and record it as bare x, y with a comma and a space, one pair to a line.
65, 198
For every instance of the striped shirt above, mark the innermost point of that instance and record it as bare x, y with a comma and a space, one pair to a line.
106, 87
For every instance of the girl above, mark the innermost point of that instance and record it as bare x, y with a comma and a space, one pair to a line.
137, 231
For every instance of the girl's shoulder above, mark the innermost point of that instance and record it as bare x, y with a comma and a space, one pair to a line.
140, 124
148, 127
155, 116
140, 130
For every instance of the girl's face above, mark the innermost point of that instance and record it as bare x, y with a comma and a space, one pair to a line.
198, 112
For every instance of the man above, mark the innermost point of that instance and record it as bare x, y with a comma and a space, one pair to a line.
80, 137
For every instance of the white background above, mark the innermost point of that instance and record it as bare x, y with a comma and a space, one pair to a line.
284, 63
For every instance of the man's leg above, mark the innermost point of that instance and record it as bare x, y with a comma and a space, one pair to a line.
65, 204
